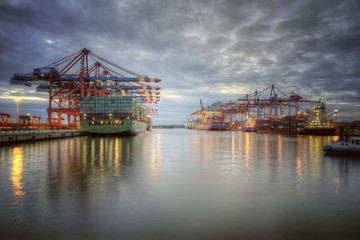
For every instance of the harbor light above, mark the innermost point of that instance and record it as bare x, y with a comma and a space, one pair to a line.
335, 114
17, 100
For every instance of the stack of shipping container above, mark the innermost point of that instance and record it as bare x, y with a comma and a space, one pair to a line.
109, 108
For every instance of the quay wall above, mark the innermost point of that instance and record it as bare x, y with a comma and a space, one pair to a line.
7, 137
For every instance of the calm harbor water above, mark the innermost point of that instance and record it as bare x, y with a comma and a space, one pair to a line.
178, 184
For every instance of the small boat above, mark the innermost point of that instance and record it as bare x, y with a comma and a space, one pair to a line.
349, 147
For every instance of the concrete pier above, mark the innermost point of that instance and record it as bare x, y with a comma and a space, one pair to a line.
31, 135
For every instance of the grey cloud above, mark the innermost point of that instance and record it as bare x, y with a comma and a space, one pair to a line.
311, 47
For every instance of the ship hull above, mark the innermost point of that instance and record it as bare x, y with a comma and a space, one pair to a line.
319, 131
249, 129
341, 151
290, 131
202, 126
212, 126
124, 127
245, 129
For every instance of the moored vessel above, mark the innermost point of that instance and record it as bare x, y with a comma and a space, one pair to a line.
115, 115
311, 122
211, 120
208, 119
282, 124
349, 147
244, 126
318, 124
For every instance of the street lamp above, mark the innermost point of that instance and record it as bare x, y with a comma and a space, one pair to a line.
17, 100
335, 114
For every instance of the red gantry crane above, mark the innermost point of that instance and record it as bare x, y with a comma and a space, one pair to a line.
85, 74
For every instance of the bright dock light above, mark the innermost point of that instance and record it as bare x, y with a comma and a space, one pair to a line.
17, 100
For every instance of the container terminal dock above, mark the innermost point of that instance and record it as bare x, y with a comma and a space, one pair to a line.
89, 93
9, 137
271, 111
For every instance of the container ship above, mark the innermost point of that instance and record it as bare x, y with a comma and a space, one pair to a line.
115, 115
244, 126
211, 120
282, 124
318, 124
313, 122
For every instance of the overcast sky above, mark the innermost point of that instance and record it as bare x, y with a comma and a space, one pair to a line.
210, 50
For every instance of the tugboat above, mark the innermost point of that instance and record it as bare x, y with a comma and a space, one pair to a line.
318, 124
348, 147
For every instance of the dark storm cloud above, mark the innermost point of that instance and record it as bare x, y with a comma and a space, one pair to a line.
214, 50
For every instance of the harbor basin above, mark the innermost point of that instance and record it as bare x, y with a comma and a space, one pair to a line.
179, 184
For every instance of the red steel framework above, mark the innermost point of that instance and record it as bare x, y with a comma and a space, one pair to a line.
83, 75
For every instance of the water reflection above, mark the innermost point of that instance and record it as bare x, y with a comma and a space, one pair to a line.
17, 188
266, 147
79, 159
280, 150
183, 181
300, 164
247, 149
3, 157
155, 152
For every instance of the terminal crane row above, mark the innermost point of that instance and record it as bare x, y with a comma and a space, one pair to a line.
268, 103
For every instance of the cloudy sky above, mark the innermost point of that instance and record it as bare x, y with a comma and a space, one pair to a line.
216, 50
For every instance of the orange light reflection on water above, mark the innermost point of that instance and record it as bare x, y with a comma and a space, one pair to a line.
17, 187
101, 154
247, 150
117, 149
301, 159
233, 145
17, 173
280, 150
266, 148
